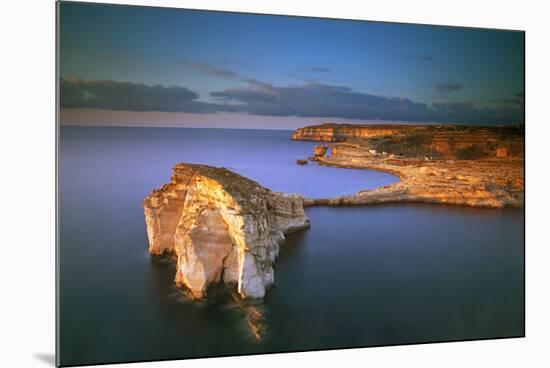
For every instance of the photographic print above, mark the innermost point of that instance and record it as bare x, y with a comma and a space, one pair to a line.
234, 183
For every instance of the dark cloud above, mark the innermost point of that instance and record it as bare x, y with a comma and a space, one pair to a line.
507, 101
448, 87
318, 69
249, 96
261, 98
113, 95
207, 69
226, 74
258, 84
426, 57
517, 101
467, 113
320, 100
422, 57
453, 107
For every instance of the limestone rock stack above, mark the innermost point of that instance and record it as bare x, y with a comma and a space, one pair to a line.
220, 226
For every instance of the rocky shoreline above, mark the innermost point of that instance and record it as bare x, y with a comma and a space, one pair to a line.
471, 166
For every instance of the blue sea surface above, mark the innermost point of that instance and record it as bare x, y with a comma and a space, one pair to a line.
360, 276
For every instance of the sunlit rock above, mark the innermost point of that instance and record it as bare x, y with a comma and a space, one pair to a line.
320, 151
460, 165
221, 227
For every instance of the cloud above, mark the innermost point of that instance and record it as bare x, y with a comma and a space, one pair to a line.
320, 100
426, 57
207, 69
517, 101
453, 107
448, 87
228, 74
467, 113
422, 57
315, 100
114, 95
258, 84
318, 69
507, 101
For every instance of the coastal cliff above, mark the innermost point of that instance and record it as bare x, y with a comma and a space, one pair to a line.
340, 132
460, 165
434, 141
220, 226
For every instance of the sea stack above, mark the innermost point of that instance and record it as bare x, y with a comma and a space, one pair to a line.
220, 226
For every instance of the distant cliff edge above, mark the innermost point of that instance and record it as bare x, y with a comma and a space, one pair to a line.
452, 164
445, 141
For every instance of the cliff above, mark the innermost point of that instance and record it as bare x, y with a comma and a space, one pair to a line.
483, 183
220, 226
435, 141
340, 132
460, 165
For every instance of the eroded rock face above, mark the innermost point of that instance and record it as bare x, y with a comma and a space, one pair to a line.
220, 226
329, 132
493, 182
451, 164
444, 141
320, 151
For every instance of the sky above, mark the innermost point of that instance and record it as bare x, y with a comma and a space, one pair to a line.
145, 66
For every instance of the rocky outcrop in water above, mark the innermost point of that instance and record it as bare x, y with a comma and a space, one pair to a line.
221, 227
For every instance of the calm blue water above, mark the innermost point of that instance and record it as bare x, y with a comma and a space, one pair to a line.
145, 156
361, 276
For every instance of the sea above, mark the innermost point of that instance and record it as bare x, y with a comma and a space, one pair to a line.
360, 276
